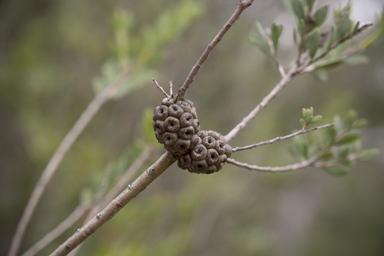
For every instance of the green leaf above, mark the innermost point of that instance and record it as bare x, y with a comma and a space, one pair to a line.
350, 119
298, 9
276, 33
302, 123
147, 128
261, 41
337, 170
343, 26
316, 119
134, 81
320, 74
356, 27
328, 156
338, 124
330, 135
288, 5
312, 43
310, 4
357, 60
349, 138
360, 124
320, 15
368, 154
295, 37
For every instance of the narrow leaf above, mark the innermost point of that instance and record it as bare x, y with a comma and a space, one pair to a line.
357, 60
312, 43
344, 26
310, 4
368, 154
349, 138
298, 9
350, 119
337, 170
316, 119
360, 124
320, 15
276, 33
320, 74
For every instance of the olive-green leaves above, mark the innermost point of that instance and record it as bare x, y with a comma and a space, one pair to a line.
338, 148
137, 50
308, 117
261, 40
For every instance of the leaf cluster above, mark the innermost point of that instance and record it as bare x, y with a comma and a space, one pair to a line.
320, 46
137, 53
337, 148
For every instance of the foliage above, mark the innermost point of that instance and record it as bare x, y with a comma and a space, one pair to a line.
338, 147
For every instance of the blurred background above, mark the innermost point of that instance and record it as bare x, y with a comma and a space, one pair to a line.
54, 53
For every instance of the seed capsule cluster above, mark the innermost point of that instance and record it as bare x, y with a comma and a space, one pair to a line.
208, 154
176, 125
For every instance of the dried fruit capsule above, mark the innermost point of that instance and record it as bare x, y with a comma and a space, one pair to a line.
175, 124
208, 155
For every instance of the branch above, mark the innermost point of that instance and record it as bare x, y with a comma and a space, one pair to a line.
292, 167
302, 131
60, 229
283, 82
58, 156
120, 185
116, 205
195, 69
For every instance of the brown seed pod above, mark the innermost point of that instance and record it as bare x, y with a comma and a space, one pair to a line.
175, 110
209, 153
199, 152
186, 133
169, 138
173, 121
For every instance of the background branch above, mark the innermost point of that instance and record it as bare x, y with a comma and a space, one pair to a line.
283, 82
195, 69
117, 204
120, 185
58, 156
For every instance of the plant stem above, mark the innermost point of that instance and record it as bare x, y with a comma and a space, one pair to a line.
56, 159
283, 82
292, 167
116, 205
195, 69
302, 131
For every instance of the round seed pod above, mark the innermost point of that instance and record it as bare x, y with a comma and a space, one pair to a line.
175, 110
182, 146
172, 124
199, 152
175, 124
161, 113
209, 153
169, 138
186, 120
186, 133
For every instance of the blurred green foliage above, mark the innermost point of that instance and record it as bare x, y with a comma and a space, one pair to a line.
50, 52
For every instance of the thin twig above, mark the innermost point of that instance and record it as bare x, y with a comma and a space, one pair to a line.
160, 88
283, 82
302, 131
60, 229
333, 46
171, 88
120, 185
195, 69
58, 156
117, 204
292, 167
